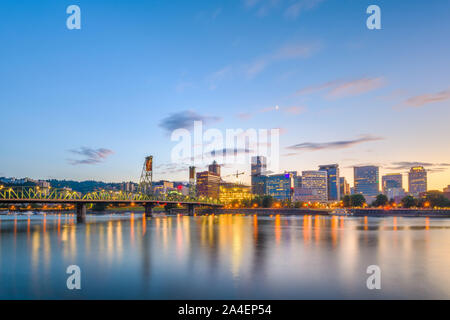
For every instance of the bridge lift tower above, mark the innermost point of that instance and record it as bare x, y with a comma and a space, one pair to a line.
145, 183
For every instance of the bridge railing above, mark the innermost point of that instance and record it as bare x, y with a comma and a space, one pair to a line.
37, 193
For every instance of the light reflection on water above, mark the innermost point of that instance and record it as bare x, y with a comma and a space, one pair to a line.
223, 257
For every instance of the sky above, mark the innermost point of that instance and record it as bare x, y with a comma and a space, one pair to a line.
92, 103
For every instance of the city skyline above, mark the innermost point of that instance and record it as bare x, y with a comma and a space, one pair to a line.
94, 105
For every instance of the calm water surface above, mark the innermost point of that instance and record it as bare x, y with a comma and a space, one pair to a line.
223, 257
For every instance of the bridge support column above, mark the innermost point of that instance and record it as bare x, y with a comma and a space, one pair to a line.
191, 209
149, 209
81, 212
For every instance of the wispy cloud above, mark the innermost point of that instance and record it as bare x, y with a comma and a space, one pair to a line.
185, 119
406, 165
218, 76
424, 99
293, 110
287, 52
294, 10
340, 88
90, 156
315, 146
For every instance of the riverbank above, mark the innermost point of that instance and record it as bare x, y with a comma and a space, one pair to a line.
440, 213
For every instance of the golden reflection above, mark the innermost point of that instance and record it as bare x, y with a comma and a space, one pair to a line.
73, 242
306, 229
395, 223
28, 227
237, 240
316, 228
88, 239
277, 229
109, 241
255, 228
132, 229
119, 239
47, 250
144, 225
334, 227
366, 227
35, 247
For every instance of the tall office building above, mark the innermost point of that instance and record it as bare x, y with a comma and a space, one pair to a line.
366, 181
280, 186
214, 168
314, 187
208, 184
391, 180
333, 188
344, 187
258, 178
417, 181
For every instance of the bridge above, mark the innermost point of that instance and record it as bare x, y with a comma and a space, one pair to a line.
17, 195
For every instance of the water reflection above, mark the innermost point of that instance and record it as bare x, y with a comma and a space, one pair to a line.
223, 256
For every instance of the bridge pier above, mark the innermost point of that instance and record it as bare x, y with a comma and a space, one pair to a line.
191, 209
81, 212
149, 209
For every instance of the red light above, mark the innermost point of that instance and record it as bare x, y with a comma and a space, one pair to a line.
180, 187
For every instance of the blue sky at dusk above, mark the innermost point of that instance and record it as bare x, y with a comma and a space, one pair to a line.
92, 103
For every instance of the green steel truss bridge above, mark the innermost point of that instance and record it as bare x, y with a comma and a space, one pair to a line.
17, 195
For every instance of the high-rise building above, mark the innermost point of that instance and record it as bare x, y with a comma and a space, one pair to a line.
333, 188
259, 185
231, 192
344, 187
366, 181
391, 180
417, 181
258, 169
314, 187
280, 186
214, 168
208, 184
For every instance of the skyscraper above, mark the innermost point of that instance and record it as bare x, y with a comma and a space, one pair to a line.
344, 186
391, 180
333, 188
280, 186
313, 187
366, 180
417, 181
208, 184
214, 168
258, 179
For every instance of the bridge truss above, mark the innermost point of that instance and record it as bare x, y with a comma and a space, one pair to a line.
34, 194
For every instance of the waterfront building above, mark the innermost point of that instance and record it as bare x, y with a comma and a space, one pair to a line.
366, 181
208, 184
417, 181
396, 194
391, 180
280, 186
258, 170
232, 192
344, 187
447, 192
333, 188
314, 187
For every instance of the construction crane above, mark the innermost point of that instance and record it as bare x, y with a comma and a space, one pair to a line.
237, 174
